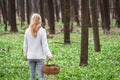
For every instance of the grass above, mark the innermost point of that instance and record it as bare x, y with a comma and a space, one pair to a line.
103, 65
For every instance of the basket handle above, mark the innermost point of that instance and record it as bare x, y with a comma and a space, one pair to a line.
53, 61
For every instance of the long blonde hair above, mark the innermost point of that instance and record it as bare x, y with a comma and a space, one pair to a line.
35, 24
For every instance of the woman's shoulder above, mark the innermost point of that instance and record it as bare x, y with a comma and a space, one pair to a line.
42, 29
27, 30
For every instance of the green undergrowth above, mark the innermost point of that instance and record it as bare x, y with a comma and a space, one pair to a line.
103, 65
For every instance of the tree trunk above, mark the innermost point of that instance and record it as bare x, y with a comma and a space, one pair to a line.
95, 25
9, 12
66, 21
35, 6
62, 9
4, 12
28, 10
22, 11
0, 15
0, 12
56, 10
117, 12
51, 20
46, 9
105, 14
12, 15
71, 15
18, 8
84, 32
76, 11
42, 12
113, 11
101, 12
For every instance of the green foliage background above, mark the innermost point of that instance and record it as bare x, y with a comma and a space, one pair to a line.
104, 65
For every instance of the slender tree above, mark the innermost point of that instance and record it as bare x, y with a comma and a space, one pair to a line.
95, 25
101, 12
76, 11
22, 11
3, 7
72, 15
17, 8
62, 9
56, 7
84, 32
28, 10
0, 14
51, 20
12, 15
105, 14
42, 12
9, 11
0, 11
117, 12
66, 22
35, 6
46, 9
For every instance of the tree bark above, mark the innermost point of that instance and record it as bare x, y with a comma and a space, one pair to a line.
84, 32
101, 12
28, 10
12, 15
66, 21
51, 20
35, 6
95, 25
42, 12
71, 15
4, 12
117, 12
56, 10
22, 11
76, 11
0, 14
17, 8
9, 12
62, 9
105, 14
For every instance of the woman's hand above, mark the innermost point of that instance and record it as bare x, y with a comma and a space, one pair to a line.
51, 58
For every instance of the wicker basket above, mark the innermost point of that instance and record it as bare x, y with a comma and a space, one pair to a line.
50, 68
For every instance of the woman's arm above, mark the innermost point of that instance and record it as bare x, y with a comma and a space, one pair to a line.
45, 47
25, 45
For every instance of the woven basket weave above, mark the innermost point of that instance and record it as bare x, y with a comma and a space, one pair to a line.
50, 68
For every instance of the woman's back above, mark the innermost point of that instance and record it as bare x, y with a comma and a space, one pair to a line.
35, 44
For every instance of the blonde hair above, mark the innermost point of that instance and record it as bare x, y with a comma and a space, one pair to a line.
35, 24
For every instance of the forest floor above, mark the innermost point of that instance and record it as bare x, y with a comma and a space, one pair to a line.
103, 65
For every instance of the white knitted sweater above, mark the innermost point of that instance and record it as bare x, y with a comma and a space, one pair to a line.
36, 47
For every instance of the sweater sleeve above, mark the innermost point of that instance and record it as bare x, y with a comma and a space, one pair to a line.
25, 45
45, 47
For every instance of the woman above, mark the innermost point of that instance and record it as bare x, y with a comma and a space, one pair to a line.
36, 47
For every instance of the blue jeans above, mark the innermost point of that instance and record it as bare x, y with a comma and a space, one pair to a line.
33, 64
